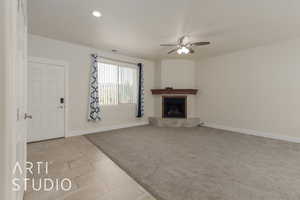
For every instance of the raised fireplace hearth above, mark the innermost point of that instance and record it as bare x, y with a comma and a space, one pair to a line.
174, 122
174, 106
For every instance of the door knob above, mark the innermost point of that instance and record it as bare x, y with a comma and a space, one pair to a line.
27, 116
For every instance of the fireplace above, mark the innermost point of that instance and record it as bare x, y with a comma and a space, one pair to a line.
174, 107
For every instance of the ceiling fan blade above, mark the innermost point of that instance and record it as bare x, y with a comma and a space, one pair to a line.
200, 43
173, 50
168, 45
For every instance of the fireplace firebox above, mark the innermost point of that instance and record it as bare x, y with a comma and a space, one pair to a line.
174, 107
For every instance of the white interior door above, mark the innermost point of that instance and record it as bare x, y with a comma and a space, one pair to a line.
21, 91
46, 96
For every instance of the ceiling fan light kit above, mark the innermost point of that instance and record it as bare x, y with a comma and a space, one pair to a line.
184, 48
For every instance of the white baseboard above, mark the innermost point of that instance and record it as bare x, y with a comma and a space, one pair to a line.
206, 124
253, 132
106, 128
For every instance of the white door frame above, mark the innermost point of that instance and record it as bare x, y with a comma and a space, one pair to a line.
66, 81
8, 139
9, 41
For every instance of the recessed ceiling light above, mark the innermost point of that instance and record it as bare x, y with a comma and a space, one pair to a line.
96, 13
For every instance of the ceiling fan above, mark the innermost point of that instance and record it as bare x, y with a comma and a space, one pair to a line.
184, 48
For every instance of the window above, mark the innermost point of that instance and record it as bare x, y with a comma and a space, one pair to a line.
127, 85
108, 84
117, 83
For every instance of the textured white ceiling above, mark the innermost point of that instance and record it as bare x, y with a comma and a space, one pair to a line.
137, 27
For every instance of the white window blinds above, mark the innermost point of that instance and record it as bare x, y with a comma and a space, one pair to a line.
117, 83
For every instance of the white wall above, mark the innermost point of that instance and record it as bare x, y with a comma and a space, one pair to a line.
2, 102
257, 89
79, 61
178, 73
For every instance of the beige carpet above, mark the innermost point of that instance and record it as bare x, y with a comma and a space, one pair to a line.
205, 163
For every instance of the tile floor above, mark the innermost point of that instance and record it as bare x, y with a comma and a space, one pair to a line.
93, 175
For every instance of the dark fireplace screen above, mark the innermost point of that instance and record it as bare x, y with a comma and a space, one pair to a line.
174, 107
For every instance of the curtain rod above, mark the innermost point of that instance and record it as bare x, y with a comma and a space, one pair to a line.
116, 60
